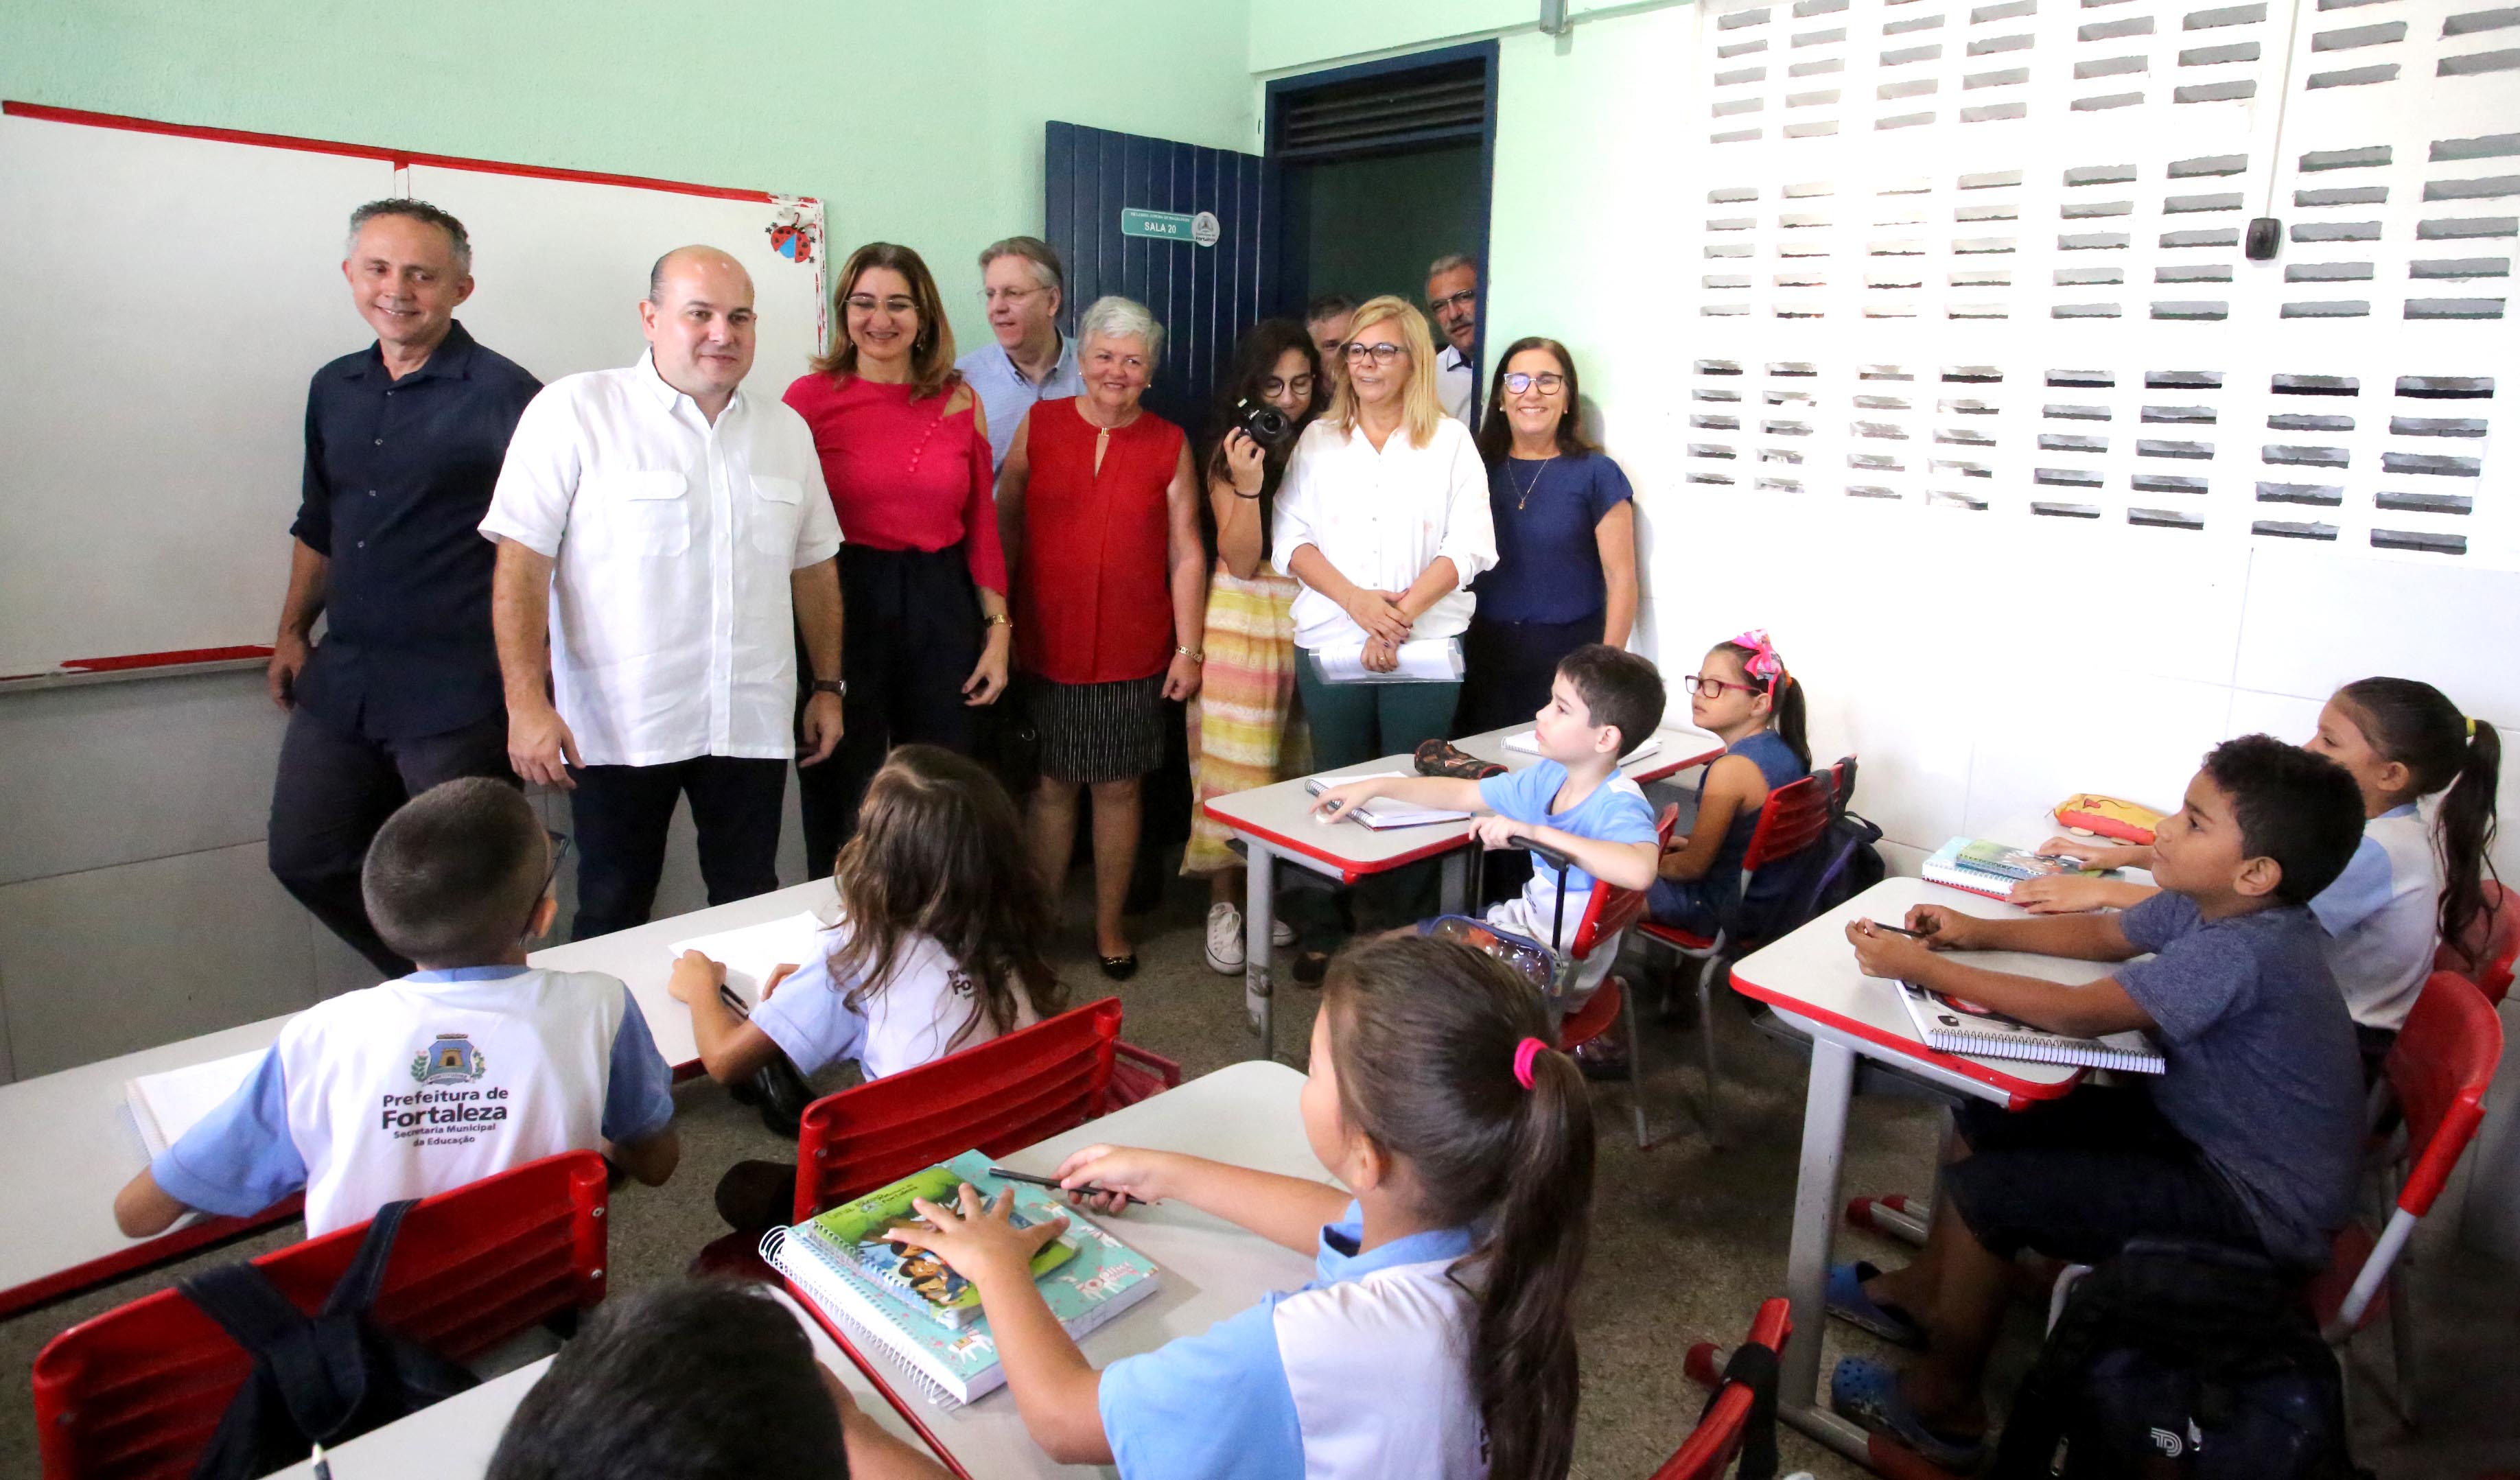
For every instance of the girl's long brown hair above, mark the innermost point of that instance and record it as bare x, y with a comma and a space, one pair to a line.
2415, 725
931, 354
939, 852
1424, 1036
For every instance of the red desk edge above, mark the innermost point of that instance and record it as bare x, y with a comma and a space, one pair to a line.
2019, 1094
857, 1359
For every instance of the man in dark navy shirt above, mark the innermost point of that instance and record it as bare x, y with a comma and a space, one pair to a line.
403, 446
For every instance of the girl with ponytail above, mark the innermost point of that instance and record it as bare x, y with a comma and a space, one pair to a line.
1743, 694
2411, 884
1437, 1338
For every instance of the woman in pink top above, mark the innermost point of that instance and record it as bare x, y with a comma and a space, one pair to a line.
922, 581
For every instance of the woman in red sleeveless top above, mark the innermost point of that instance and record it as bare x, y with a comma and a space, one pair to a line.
1099, 517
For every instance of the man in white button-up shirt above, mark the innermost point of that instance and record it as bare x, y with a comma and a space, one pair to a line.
674, 538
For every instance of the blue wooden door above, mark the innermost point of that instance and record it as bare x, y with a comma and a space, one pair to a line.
1204, 296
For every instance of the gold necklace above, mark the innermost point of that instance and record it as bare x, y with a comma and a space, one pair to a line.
1536, 475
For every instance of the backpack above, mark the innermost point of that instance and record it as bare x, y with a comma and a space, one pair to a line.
2181, 1360
316, 1379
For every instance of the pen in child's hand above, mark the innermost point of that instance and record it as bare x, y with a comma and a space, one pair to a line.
1008, 1174
1876, 924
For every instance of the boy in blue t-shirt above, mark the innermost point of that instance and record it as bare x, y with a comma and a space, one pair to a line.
1602, 703
2249, 1138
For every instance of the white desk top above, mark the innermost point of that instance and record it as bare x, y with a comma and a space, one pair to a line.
1281, 815
67, 1144
454, 1440
1210, 1269
1810, 975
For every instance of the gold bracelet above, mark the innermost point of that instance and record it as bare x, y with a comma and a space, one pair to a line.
1199, 656
1001, 619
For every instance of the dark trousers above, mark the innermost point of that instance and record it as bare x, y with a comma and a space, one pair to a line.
1506, 668
621, 812
335, 788
911, 637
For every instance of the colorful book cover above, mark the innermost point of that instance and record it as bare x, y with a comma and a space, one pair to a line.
1087, 1276
2016, 865
2109, 817
859, 1229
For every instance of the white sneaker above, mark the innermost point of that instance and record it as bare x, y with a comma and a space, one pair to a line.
1280, 934
1224, 952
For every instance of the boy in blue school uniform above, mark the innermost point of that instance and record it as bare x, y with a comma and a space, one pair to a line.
474, 1063
1602, 703
2249, 1138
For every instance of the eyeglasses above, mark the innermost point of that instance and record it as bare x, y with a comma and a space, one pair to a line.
1468, 298
1550, 383
863, 302
996, 295
1301, 386
1715, 688
558, 850
1380, 354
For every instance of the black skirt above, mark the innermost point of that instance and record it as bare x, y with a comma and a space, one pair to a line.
1092, 732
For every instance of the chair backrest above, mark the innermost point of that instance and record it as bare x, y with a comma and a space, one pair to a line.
136, 1393
1841, 776
1711, 1446
1001, 1096
1611, 908
1793, 815
2489, 953
2445, 1056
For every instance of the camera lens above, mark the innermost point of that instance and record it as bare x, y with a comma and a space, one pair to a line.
1266, 424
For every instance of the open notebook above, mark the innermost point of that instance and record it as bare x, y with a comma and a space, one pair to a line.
166, 1106
1384, 811
751, 954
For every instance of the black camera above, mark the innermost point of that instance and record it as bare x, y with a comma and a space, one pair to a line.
1263, 422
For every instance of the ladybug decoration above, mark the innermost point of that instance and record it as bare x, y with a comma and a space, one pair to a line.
794, 233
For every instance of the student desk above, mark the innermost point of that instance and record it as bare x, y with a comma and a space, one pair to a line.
1810, 979
67, 1144
454, 1440
1209, 1269
1276, 821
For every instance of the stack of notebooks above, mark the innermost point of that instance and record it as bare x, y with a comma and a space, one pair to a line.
905, 1303
1383, 812
1992, 869
1952, 1026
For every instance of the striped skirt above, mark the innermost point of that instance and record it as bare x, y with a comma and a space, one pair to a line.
1244, 731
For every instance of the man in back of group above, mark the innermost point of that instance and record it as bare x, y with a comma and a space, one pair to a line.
403, 443
1452, 301
1022, 283
1325, 320
673, 536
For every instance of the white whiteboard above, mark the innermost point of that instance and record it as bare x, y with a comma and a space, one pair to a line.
171, 296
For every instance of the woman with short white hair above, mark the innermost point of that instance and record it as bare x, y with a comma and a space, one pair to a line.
1100, 512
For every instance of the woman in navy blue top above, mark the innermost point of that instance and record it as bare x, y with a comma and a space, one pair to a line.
1566, 541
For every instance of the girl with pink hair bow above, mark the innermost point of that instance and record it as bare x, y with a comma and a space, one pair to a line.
1743, 693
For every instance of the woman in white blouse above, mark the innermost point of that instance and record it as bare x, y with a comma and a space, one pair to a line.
1383, 518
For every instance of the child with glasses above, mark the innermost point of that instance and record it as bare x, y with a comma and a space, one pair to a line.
473, 1063
1743, 694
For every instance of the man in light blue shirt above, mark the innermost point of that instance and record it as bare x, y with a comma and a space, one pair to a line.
1022, 283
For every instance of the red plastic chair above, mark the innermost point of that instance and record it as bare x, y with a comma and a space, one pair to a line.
1608, 910
1000, 1096
1711, 1447
136, 1393
1793, 819
2444, 1060
2488, 956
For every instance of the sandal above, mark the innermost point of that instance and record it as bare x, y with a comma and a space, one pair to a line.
1867, 1393
1441, 757
1848, 1303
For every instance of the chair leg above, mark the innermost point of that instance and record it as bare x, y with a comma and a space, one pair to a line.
1712, 1114
1635, 1022
2402, 1343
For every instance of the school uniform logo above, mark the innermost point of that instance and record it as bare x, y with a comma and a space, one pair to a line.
450, 1060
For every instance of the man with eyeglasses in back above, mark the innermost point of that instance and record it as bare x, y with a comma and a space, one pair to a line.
1022, 281
1453, 302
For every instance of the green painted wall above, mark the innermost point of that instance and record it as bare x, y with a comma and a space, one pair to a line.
919, 123
1376, 223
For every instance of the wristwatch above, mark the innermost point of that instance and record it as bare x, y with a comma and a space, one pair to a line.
837, 685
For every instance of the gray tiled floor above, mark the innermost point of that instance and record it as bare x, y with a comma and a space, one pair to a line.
1687, 1239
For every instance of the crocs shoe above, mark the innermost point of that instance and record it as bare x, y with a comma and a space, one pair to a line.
1441, 757
1866, 1393
1848, 1303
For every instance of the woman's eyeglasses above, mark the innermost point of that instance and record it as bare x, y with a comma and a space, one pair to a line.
1715, 688
1380, 354
1301, 386
867, 302
1549, 381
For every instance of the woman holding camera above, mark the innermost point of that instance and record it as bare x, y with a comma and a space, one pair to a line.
1243, 732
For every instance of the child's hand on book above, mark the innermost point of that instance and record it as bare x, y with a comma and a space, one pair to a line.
696, 977
1337, 802
2062, 894
2098, 855
979, 1240
1120, 1172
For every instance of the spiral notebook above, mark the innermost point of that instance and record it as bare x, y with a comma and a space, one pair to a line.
918, 1318
1953, 1026
1992, 869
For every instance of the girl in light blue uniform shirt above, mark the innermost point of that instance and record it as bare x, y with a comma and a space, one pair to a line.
1436, 1338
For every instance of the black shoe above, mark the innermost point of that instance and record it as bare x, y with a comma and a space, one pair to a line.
1120, 967
756, 1196
1309, 968
781, 1092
